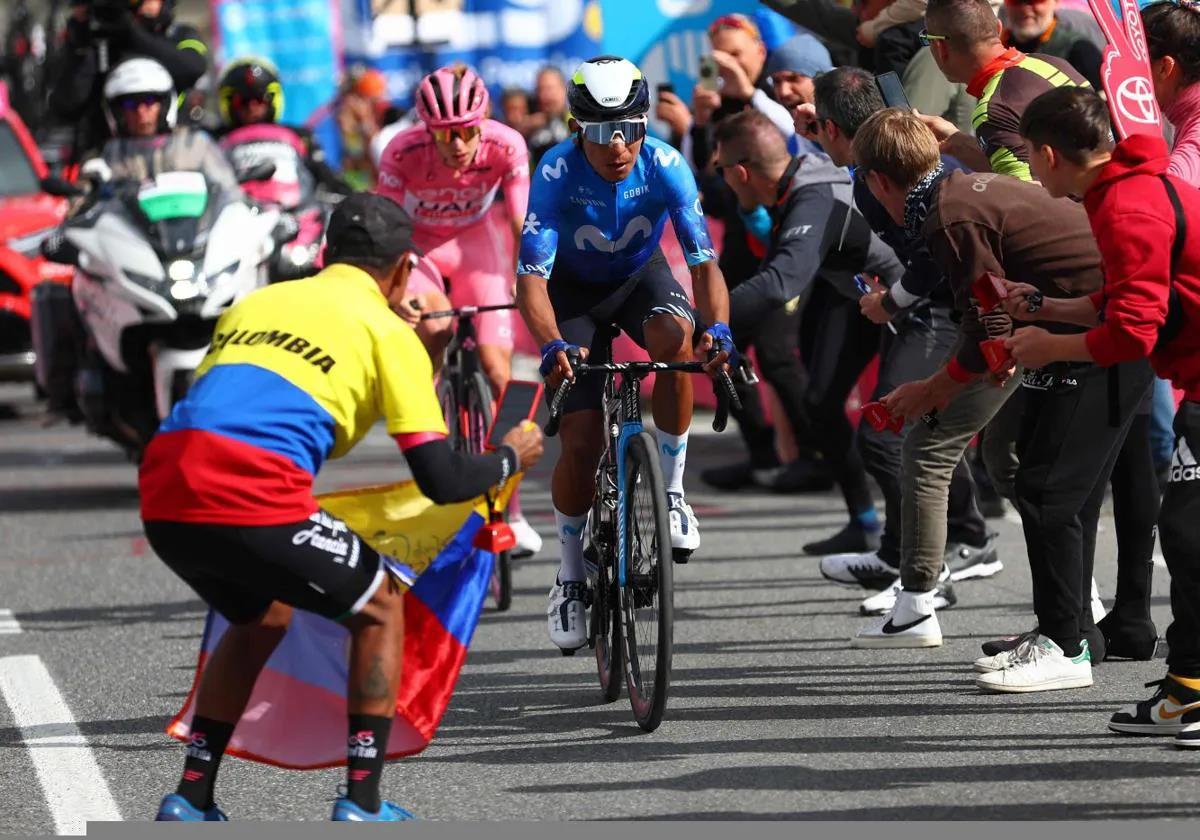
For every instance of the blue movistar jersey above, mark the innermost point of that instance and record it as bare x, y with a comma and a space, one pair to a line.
604, 232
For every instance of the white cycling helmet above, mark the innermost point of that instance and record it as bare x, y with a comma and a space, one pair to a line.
140, 76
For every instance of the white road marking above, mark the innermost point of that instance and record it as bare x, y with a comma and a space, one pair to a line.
71, 780
8, 623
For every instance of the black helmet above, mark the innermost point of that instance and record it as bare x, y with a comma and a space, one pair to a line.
607, 88
249, 78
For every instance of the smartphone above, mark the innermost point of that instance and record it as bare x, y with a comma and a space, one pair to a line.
518, 403
709, 79
892, 91
665, 87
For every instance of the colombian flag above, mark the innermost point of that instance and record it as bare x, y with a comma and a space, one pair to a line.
296, 717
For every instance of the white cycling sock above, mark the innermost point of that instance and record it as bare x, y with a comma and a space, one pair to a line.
570, 536
672, 453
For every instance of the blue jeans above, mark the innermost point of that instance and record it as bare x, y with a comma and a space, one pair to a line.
1162, 418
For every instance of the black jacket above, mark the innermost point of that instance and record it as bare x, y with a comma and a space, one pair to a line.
816, 232
77, 95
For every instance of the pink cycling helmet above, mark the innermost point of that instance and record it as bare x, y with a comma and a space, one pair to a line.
452, 96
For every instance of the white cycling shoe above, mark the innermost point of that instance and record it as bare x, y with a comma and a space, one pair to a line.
685, 530
529, 541
566, 615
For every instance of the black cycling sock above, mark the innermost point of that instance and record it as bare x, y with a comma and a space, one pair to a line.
205, 749
365, 754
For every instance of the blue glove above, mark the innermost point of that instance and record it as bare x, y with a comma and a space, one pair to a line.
550, 352
723, 340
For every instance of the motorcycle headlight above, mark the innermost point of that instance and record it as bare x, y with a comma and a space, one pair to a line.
30, 244
181, 271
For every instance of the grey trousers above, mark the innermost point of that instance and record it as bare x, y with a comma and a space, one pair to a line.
928, 463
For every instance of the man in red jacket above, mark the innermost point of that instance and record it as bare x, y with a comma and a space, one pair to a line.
1149, 307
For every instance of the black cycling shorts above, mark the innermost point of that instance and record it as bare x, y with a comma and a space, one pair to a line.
582, 307
318, 565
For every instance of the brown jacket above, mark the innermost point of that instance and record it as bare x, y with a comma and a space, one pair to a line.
982, 222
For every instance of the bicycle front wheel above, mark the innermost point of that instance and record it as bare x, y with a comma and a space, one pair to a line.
647, 600
448, 400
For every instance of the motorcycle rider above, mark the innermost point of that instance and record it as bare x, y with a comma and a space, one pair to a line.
140, 106
250, 93
101, 35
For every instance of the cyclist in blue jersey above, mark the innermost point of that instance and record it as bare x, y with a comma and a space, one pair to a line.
590, 257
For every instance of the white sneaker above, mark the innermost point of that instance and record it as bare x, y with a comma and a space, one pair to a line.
566, 616
1098, 608
912, 623
881, 603
685, 530
859, 569
529, 541
1004, 659
1038, 664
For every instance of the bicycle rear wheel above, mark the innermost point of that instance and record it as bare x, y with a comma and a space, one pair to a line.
477, 419
647, 600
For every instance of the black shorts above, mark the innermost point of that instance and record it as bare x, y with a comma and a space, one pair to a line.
582, 307
318, 565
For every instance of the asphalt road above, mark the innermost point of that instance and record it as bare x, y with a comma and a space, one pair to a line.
772, 714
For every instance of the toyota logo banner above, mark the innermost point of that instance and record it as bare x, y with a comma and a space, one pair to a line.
1126, 70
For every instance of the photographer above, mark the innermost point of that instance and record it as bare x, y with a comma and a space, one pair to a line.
103, 33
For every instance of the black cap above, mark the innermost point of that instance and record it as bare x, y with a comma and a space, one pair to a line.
368, 228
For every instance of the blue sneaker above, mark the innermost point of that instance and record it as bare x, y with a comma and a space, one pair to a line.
175, 808
346, 810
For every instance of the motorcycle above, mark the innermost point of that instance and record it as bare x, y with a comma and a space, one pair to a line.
290, 189
156, 263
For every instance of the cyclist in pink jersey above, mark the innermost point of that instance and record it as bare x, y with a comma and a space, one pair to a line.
446, 172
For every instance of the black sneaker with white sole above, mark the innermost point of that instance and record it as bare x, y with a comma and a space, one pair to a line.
866, 569
1170, 710
968, 562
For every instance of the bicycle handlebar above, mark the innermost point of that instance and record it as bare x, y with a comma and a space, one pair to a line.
466, 310
722, 386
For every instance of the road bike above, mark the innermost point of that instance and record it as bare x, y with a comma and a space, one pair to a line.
632, 599
466, 399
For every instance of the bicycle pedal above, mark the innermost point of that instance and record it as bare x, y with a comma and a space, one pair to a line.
680, 556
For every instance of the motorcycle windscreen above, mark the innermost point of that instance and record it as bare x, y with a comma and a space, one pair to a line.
175, 207
174, 195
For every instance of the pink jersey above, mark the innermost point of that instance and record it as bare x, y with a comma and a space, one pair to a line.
441, 201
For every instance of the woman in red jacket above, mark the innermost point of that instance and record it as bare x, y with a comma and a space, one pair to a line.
1149, 307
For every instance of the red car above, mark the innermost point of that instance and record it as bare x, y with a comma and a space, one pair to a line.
27, 216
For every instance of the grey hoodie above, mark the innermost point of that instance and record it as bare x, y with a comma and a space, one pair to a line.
817, 232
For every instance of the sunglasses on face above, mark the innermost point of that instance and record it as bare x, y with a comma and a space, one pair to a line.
927, 39
243, 101
620, 131
721, 167
134, 101
465, 133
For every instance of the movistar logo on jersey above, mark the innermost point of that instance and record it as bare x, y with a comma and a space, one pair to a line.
532, 225
559, 169
666, 157
592, 235
531, 268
